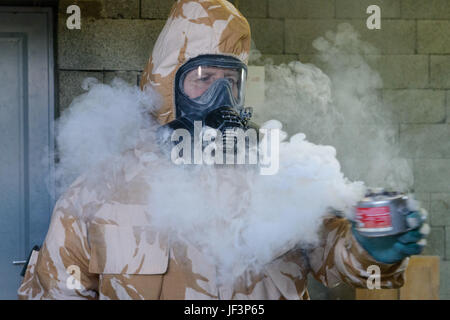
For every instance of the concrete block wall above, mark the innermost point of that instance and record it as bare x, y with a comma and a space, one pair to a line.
413, 59
115, 39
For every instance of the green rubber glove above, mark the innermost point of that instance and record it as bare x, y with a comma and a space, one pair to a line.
392, 249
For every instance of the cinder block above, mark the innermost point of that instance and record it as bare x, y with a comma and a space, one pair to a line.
358, 8
359, 153
251, 8
300, 34
89, 9
432, 175
156, 9
267, 35
307, 58
376, 172
401, 71
425, 140
440, 209
128, 9
440, 75
416, 106
301, 9
394, 37
424, 200
447, 243
277, 59
109, 44
429, 9
98, 9
70, 85
355, 140
130, 77
444, 280
448, 106
433, 37
435, 243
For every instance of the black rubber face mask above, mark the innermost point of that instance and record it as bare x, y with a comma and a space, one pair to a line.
211, 89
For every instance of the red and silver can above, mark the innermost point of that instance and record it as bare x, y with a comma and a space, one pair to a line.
382, 214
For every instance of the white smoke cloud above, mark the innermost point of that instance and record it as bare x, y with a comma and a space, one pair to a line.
240, 219
99, 125
340, 105
243, 220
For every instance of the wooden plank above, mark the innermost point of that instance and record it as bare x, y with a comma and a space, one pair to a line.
421, 282
422, 279
377, 294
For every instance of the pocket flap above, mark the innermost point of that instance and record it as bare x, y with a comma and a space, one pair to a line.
127, 250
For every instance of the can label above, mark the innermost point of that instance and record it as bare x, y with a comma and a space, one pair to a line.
374, 219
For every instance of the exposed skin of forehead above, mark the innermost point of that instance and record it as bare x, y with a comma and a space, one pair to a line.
216, 71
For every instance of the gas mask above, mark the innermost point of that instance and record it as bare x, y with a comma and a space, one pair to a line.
211, 89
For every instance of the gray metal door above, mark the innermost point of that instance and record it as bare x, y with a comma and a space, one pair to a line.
26, 137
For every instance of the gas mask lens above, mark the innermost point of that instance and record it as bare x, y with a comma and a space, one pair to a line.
196, 82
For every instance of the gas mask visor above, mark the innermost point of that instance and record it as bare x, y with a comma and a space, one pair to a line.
208, 82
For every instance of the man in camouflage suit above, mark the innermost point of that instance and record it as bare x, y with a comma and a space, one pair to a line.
119, 257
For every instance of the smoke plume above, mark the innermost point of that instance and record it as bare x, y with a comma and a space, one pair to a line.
239, 219
339, 104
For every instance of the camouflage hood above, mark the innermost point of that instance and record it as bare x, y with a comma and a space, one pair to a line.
194, 27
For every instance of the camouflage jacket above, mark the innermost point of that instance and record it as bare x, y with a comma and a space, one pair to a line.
105, 240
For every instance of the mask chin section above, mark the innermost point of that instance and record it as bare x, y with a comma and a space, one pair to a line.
236, 138
238, 135
228, 122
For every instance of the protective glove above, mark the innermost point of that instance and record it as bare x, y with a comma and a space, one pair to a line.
392, 249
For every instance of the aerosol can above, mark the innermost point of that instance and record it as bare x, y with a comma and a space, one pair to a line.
382, 213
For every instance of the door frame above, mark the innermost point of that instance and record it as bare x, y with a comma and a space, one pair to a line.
52, 94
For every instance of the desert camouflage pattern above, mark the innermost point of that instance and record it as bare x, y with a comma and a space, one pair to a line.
103, 229
100, 233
